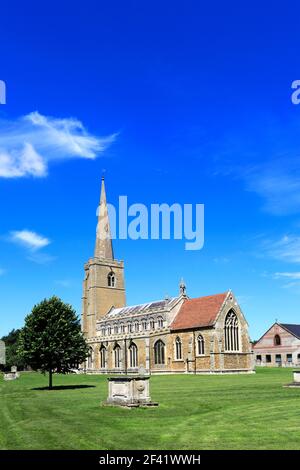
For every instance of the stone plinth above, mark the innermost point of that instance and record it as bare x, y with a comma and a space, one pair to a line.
11, 376
296, 374
129, 391
296, 383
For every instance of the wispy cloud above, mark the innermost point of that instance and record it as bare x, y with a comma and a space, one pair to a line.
291, 279
287, 275
30, 240
285, 249
265, 157
29, 143
277, 183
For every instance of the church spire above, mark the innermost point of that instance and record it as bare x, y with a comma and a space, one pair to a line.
103, 248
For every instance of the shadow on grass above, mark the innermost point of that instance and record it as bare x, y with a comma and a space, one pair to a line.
64, 387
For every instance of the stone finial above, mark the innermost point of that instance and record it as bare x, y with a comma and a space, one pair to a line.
182, 287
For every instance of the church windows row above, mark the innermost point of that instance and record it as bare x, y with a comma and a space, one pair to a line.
231, 333
130, 327
199, 346
117, 356
159, 355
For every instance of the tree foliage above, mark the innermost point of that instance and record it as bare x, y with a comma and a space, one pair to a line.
12, 357
51, 340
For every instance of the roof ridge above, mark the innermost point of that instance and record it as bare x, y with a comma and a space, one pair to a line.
207, 296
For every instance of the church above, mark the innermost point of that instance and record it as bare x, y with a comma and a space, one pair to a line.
174, 335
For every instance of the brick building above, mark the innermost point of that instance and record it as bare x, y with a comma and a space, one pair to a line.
174, 335
279, 346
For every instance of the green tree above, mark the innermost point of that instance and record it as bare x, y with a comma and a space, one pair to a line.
51, 340
12, 357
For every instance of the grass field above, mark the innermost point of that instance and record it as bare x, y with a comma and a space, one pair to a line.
195, 412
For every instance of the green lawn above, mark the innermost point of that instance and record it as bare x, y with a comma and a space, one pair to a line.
195, 412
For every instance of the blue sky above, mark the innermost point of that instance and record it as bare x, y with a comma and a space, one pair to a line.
177, 102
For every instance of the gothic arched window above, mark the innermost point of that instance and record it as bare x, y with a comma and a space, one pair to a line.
103, 357
277, 340
200, 345
160, 322
133, 355
178, 348
116, 329
122, 328
91, 358
152, 324
111, 279
159, 352
231, 331
117, 356
144, 325
136, 326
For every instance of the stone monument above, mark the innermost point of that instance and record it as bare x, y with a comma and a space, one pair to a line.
296, 377
131, 391
13, 374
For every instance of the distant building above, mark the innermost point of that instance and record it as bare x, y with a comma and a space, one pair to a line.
173, 335
279, 346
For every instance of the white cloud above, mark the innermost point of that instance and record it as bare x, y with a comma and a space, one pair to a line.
286, 275
31, 240
263, 155
24, 162
285, 249
28, 144
278, 184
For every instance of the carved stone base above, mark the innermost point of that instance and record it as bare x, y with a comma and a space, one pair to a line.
129, 391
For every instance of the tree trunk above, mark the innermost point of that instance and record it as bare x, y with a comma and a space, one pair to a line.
50, 379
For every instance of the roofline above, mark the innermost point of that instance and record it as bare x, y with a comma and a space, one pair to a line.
276, 323
289, 331
279, 324
221, 307
176, 300
206, 326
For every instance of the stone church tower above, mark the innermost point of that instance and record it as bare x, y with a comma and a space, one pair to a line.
103, 285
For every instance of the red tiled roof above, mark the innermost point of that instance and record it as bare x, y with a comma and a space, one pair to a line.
199, 312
